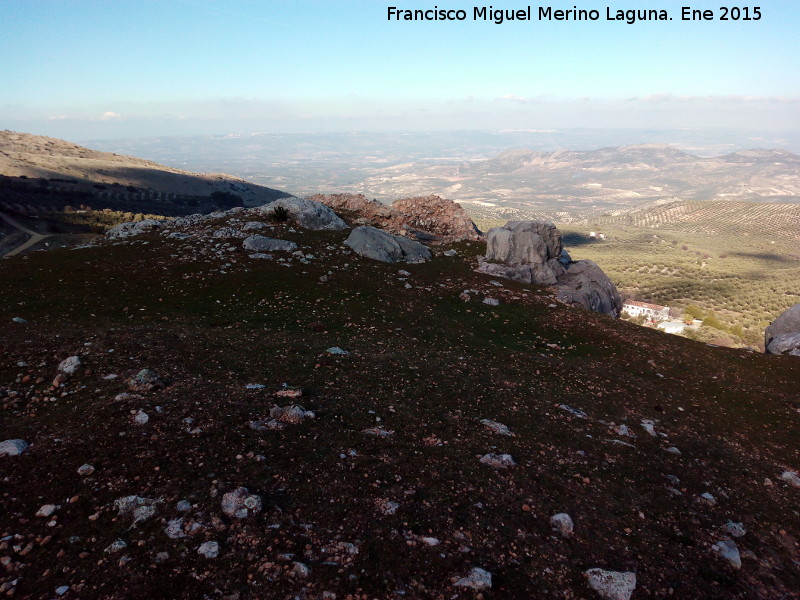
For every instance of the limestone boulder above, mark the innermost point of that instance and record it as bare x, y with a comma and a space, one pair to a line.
783, 334
585, 284
308, 214
262, 243
376, 244
532, 252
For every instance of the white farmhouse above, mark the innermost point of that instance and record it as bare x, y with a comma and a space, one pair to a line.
652, 312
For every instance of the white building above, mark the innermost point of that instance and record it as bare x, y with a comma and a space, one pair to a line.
651, 312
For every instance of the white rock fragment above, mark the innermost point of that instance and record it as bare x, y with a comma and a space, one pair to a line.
85, 470
612, 585
491, 301
478, 579
496, 427
336, 351
625, 431
674, 450
47, 510
707, 498
69, 365
300, 570
728, 550
649, 427
377, 431
143, 513
61, 590
736, 530
791, 478
141, 418
19, 320
240, 503
174, 529
498, 461
183, 506
562, 523
209, 549
115, 547
430, 541
13, 447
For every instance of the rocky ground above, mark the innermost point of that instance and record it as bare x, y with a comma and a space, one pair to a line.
313, 424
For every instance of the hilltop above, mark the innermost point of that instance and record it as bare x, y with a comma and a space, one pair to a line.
361, 405
45, 174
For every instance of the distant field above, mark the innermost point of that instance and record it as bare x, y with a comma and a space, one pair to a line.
741, 260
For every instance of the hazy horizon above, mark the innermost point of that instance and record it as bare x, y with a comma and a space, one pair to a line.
94, 70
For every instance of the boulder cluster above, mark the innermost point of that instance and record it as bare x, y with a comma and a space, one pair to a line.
427, 219
532, 252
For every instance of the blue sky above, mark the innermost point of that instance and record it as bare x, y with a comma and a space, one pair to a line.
102, 69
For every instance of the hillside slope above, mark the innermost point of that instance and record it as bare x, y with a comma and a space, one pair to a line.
382, 494
107, 179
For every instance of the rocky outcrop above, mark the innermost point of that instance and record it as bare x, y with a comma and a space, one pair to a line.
440, 217
532, 252
783, 334
125, 230
525, 251
429, 218
585, 284
376, 244
307, 213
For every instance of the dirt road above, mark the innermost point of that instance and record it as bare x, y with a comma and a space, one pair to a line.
34, 239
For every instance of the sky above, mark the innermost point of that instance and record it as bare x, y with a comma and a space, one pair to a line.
86, 69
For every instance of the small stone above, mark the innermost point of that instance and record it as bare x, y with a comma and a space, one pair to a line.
85, 470
450, 252
648, 426
491, 301
300, 570
19, 320
478, 580
496, 427
209, 549
563, 524
673, 450
162, 557
70, 365
47, 510
336, 351
707, 498
141, 418
240, 504
791, 478
498, 461
183, 506
174, 529
115, 547
728, 550
13, 447
612, 585
430, 541
735, 529
61, 590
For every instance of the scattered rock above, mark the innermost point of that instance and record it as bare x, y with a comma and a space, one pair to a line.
300, 570
478, 579
377, 431
791, 478
19, 320
386, 507
126, 230
707, 498
145, 381
70, 365
209, 549
496, 427
728, 550
491, 301
385, 247
261, 243
85, 470
291, 415
183, 506
562, 523
649, 427
141, 418
115, 547
240, 503
13, 447
336, 351
612, 585
498, 461
47, 510
174, 529
735, 529
61, 590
